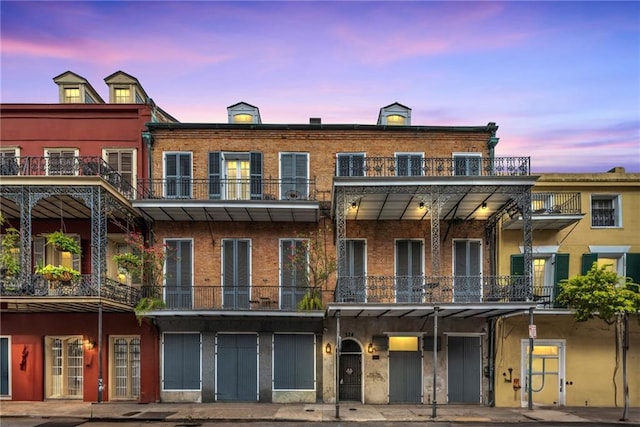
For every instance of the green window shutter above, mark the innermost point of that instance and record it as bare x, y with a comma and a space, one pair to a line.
517, 265
561, 272
587, 262
633, 267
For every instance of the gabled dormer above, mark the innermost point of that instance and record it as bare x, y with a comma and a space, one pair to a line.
125, 89
395, 114
243, 113
75, 89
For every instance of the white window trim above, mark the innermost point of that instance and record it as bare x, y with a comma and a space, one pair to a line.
280, 168
47, 152
162, 361
134, 161
215, 363
542, 250
355, 153
617, 205
249, 261
112, 373
273, 363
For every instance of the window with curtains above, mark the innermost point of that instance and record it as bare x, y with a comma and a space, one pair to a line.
294, 175
235, 175
181, 361
294, 362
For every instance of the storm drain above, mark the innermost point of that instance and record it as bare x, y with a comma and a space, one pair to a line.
61, 423
131, 414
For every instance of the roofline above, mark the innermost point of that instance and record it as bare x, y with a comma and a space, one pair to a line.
235, 126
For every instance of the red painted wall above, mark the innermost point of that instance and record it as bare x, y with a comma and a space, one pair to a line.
27, 332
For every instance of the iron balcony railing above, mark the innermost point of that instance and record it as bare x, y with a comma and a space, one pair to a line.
82, 286
435, 289
433, 167
561, 203
199, 297
228, 189
66, 166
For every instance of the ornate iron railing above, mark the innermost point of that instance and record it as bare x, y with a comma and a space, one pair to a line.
200, 297
434, 167
432, 289
228, 189
82, 286
66, 166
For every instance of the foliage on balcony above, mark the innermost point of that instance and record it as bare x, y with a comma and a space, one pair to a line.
9, 262
315, 263
63, 242
58, 273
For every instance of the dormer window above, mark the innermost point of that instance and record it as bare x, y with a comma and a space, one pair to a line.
396, 119
243, 118
72, 95
122, 95
395, 114
243, 113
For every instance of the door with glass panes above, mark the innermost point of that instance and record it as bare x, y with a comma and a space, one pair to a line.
64, 367
125, 367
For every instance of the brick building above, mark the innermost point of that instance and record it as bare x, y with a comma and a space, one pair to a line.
410, 214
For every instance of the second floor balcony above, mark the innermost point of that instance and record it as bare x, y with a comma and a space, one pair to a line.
550, 211
78, 294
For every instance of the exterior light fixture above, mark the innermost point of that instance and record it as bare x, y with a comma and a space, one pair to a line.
484, 205
327, 348
421, 206
90, 343
370, 348
354, 205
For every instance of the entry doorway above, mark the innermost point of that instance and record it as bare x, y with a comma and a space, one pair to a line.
547, 373
350, 372
464, 361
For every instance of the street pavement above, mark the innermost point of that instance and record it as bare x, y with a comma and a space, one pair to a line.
348, 412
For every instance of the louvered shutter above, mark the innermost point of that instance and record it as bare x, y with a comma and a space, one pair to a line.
255, 166
215, 191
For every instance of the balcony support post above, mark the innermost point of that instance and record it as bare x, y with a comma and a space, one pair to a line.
524, 206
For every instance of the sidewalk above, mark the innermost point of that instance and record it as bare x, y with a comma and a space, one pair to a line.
188, 412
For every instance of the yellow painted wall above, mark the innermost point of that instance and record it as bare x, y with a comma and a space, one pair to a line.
590, 359
575, 239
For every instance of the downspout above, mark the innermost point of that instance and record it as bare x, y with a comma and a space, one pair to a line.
491, 368
147, 138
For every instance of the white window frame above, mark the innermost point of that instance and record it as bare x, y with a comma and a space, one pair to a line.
410, 154
162, 361
15, 154
112, 367
48, 365
164, 174
350, 156
134, 161
614, 252
273, 364
308, 156
76, 154
616, 201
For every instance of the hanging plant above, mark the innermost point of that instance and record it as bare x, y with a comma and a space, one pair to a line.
9, 261
129, 262
58, 273
64, 243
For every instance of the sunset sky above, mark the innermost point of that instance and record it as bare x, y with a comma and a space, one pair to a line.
561, 79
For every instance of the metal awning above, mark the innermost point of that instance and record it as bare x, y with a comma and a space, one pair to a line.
406, 198
230, 210
49, 304
460, 310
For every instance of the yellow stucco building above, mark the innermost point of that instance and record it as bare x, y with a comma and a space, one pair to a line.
578, 219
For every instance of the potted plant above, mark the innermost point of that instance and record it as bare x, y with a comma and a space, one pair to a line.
63, 243
58, 273
129, 262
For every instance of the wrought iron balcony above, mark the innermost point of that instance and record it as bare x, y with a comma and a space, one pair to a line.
557, 203
432, 289
232, 298
433, 167
82, 286
228, 189
66, 166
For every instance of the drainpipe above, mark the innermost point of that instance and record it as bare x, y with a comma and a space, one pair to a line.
531, 344
490, 363
337, 364
435, 359
147, 138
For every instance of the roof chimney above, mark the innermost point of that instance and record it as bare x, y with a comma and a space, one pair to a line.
315, 121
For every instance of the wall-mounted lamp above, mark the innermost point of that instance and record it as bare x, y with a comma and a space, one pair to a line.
370, 348
90, 343
354, 205
327, 348
483, 206
421, 206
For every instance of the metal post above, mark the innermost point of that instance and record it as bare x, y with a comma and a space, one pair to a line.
530, 370
100, 383
337, 364
625, 382
435, 359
